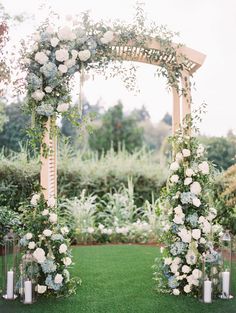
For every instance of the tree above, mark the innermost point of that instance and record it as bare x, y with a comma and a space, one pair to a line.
141, 114
116, 129
14, 130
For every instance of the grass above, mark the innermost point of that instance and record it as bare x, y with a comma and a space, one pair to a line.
117, 279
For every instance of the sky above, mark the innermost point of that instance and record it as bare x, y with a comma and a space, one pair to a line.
204, 25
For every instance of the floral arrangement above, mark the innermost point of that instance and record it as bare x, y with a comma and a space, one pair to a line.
59, 52
46, 238
189, 228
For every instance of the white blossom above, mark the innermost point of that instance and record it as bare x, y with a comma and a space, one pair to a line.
54, 42
39, 255
185, 235
202, 240
188, 181
195, 188
41, 289
191, 257
167, 261
62, 107
67, 261
53, 217
179, 219
65, 33
62, 248
185, 269
47, 232
45, 212
62, 68
176, 292
108, 36
64, 230
84, 55
74, 54
197, 273
187, 288
179, 157
174, 166
90, 230
51, 202
29, 236
189, 172
69, 63
204, 167
196, 233
178, 209
38, 95
31, 245
62, 55
34, 200
174, 178
48, 89
49, 30
174, 267
186, 153
58, 279
196, 202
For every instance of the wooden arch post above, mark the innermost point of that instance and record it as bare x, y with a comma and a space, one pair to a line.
130, 52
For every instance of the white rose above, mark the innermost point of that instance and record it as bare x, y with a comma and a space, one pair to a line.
174, 166
34, 200
186, 153
197, 273
69, 63
31, 245
45, 212
62, 248
54, 41
179, 219
196, 202
185, 269
51, 202
67, 261
109, 231
167, 261
189, 172
174, 178
202, 240
64, 230
185, 235
47, 232
65, 33
174, 267
204, 167
58, 279
188, 181
53, 217
196, 188
38, 95
206, 228
90, 230
48, 89
187, 288
74, 54
176, 292
62, 107
41, 289
179, 157
39, 255
29, 236
62, 55
196, 233
41, 58
107, 37
201, 219
178, 209
177, 260
62, 68
84, 55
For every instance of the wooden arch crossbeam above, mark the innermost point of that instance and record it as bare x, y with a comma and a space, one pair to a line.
145, 54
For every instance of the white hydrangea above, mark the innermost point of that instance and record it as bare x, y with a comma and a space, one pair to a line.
31, 245
62, 55
186, 153
197, 274
174, 178
58, 279
69, 63
195, 188
174, 166
204, 167
39, 255
41, 58
54, 42
62, 107
38, 95
62, 248
47, 232
174, 267
66, 34
62, 68
107, 37
185, 235
179, 219
84, 55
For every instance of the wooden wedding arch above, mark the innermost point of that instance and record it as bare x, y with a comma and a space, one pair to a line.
130, 52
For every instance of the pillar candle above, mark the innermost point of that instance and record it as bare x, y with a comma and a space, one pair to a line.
10, 284
225, 284
28, 291
207, 291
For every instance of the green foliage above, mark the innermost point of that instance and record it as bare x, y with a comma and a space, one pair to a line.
221, 150
8, 220
116, 129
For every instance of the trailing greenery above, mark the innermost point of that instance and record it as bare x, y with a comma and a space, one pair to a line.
9, 220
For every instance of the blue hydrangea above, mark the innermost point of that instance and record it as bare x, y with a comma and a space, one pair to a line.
49, 70
177, 248
45, 109
23, 242
212, 257
175, 228
186, 197
172, 282
57, 237
192, 219
48, 266
34, 81
51, 284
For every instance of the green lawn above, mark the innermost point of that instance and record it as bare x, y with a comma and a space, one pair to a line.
117, 279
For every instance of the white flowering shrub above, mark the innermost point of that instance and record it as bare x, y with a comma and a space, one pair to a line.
188, 218
46, 238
